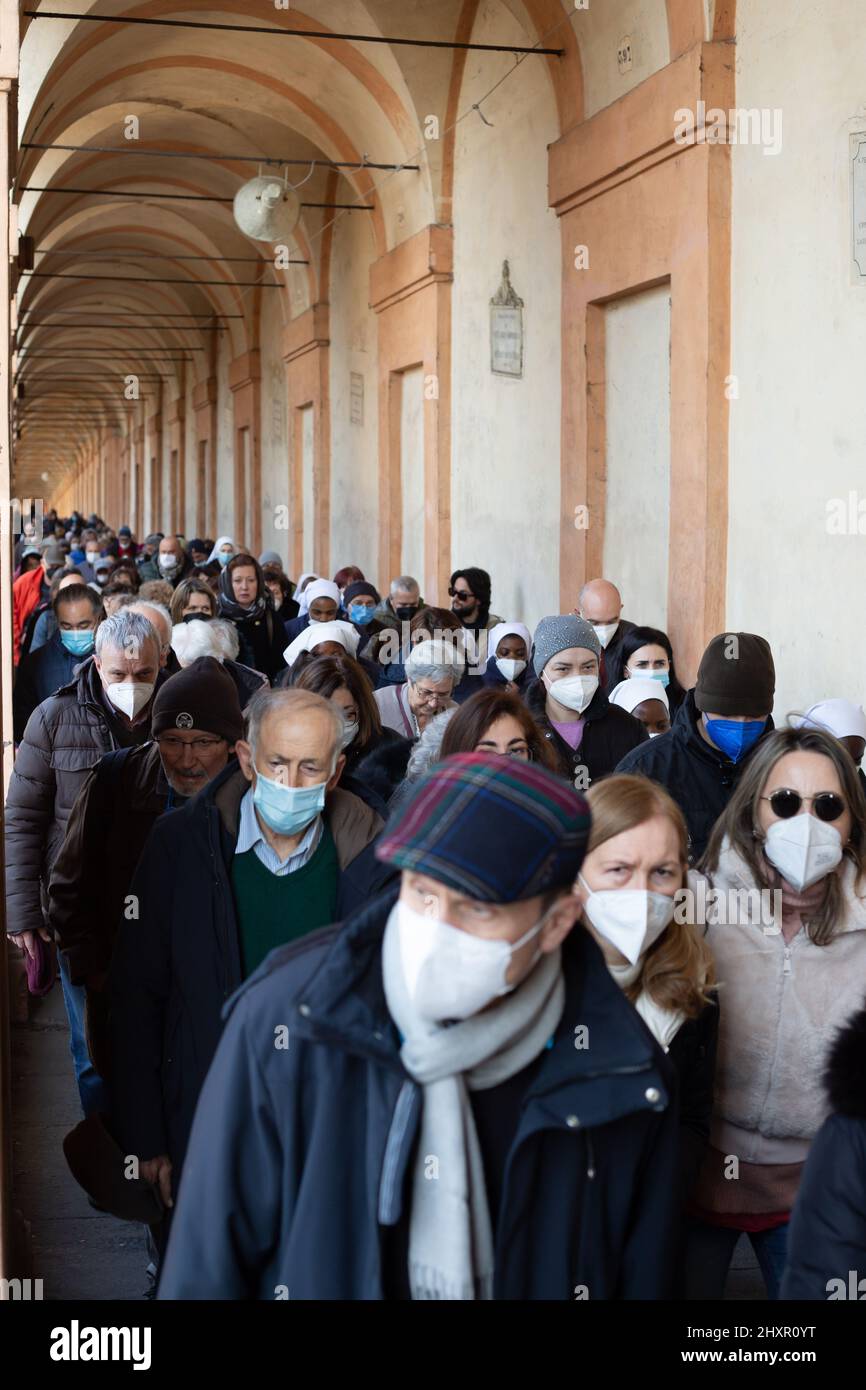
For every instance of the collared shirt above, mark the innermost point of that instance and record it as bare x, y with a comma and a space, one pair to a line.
251, 836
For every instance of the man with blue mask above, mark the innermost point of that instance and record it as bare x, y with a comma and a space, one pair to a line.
467, 1107
715, 729
76, 611
254, 861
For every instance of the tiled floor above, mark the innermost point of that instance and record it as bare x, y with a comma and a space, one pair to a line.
77, 1252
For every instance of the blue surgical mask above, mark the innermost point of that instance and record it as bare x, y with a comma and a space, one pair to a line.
287, 810
734, 737
79, 643
224, 558
663, 676
360, 614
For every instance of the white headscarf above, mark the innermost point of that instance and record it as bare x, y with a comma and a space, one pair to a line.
341, 632
223, 540
840, 718
320, 588
301, 594
635, 690
496, 634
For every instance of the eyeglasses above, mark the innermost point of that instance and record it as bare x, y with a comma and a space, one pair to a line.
786, 803
430, 697
199, 745
463, 595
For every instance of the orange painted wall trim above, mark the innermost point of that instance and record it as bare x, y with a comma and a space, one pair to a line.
410, 290
651, 212
686, 25
306, 354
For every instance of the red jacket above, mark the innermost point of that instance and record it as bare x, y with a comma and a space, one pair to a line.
26, 593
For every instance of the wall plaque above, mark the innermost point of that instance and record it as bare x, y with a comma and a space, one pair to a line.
506, 328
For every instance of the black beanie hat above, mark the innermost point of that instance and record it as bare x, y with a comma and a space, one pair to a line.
736, 676
360, 586
201, 696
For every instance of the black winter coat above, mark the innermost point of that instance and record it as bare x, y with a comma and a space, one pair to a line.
174, 968
262, 643
608, 735
65, 736
39, 675
693, 1053
699, 777
300, 1155
827, 1235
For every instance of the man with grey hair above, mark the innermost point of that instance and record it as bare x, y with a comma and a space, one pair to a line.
433, 669
254, 861
107, 705
401, 605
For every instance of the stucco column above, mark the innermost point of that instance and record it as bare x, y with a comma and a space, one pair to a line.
306, 353
245, 375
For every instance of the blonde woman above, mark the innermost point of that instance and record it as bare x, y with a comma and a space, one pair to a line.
633, 871
787, 866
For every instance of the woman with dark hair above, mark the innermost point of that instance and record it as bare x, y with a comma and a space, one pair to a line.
781, 894
192, 598
280, 588
495, 721
244, 599
646, 651
342, 680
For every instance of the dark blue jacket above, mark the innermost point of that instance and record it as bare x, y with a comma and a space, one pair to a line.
176, 965
700, 778
827, 1236
41, 673
300, 1154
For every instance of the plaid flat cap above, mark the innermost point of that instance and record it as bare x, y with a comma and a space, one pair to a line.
495, 828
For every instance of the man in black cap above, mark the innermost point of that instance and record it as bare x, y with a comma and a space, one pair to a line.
447, 1096
701, 758
197, 721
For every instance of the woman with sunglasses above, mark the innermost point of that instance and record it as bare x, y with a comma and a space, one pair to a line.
791, 961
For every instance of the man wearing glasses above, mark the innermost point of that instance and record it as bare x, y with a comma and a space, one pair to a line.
470, 593
196, 722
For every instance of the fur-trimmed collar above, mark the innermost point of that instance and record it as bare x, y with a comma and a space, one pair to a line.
845, 1077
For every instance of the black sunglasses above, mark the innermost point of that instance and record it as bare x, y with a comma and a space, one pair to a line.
462, 594
786, 803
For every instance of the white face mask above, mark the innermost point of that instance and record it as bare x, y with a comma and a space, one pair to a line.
631, 919
130, 697
450, 973
803, 849
604, 631
510, 667
92, 556
168, 562
575, 692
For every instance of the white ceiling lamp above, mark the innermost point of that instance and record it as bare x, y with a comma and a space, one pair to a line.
267, 208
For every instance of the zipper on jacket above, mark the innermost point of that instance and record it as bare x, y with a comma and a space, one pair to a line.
786, 968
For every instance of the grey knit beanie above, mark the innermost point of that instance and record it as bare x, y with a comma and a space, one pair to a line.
558, 633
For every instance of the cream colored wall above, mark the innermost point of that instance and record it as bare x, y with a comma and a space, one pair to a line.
798, 429
274, 433
225, 460
638, 452
506, 431
354, 448
600, 30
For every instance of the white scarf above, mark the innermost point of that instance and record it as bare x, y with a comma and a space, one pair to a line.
451, 1248
664, 1024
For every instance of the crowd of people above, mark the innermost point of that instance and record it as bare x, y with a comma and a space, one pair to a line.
410, 953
